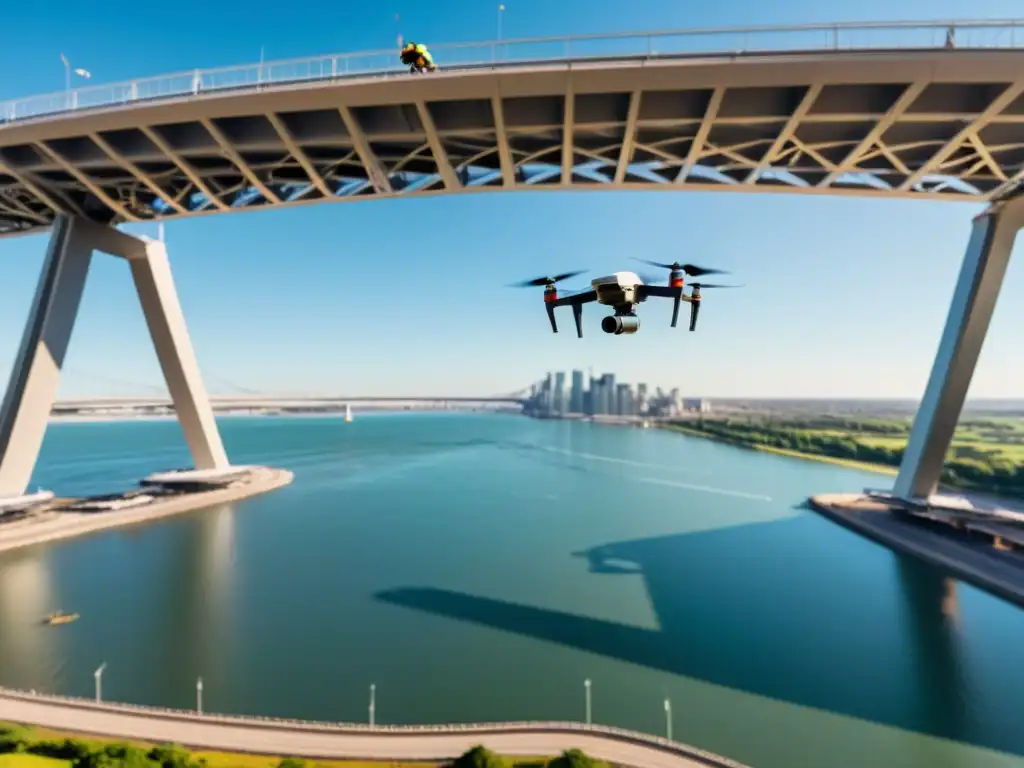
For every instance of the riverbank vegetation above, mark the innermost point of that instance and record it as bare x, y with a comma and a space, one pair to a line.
987, 454
22, 747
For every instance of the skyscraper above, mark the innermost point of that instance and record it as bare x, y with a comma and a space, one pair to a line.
576, 395
559, 399
622, 400
608, 402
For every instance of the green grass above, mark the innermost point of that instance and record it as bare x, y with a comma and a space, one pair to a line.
31, 761
973, 436
213, 759
864, 466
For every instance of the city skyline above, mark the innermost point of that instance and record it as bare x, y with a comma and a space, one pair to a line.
844, 297
604, 395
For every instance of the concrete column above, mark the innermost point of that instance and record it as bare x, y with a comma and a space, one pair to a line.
160, 305
35, 375
974, 300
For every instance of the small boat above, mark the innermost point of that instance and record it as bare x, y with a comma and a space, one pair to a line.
60, 617
348, 413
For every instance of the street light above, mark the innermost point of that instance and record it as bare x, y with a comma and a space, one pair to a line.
586, 686
373, 701
501, 12
97, 676
199, 695
668, 718
67, 72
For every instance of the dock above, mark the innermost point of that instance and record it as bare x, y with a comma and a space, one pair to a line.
979, 542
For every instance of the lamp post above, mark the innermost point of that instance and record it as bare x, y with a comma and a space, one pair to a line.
586, 686
501, 12
199, 695
67, 77
373, 701
98, 678
668, 718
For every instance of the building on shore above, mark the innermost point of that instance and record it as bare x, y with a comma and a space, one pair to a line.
696, 405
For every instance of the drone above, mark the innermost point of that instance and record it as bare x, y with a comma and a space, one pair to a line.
623, 291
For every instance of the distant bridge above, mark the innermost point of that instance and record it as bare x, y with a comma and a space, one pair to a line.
270, 401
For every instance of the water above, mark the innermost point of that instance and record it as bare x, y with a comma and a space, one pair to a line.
480, 567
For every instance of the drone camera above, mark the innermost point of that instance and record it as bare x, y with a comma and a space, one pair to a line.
620, 324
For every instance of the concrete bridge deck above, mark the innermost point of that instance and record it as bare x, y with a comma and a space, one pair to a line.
865, 109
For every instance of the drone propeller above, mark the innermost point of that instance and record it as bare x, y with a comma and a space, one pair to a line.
690, 269
541, 281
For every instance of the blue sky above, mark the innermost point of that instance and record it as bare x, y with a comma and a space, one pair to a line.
844, 297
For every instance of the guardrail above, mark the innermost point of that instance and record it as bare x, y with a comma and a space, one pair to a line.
867, 36
262, 721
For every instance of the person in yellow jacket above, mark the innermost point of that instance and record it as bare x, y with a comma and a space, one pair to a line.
417, 58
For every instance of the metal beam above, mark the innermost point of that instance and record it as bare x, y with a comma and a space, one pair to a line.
135, 171
986, 157
444, 166
296, 151
26, 181
849, 163
184, 166
568, 130
974, 300
372, 164
710, 113
788, 130
628, 137
508, 170
998, 104
166, 322
35, 375
232, 154
86, 182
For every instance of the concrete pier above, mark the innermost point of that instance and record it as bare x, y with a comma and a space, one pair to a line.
55, 521
970, 547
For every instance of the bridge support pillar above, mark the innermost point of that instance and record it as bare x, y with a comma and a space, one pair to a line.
35, 376
974, 300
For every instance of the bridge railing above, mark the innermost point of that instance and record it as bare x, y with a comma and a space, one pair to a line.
294, 724
496, 53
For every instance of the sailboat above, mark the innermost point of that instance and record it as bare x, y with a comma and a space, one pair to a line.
348, 413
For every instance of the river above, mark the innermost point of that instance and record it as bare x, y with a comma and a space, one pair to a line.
481, 567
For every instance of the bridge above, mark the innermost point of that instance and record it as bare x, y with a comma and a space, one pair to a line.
270, 401
931, 111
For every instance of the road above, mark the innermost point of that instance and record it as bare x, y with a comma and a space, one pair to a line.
324, 741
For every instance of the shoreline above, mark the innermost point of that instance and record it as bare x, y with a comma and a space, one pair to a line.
864, 466
52, 524
318, 740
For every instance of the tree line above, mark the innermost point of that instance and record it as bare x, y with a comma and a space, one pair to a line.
969, 467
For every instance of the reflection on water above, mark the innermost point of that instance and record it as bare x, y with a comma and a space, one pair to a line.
726, 612
27, 647
934, 646
481, 567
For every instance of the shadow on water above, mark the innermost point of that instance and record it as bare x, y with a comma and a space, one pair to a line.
757, 608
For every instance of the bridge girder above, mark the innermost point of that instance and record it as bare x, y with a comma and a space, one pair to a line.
945, 125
